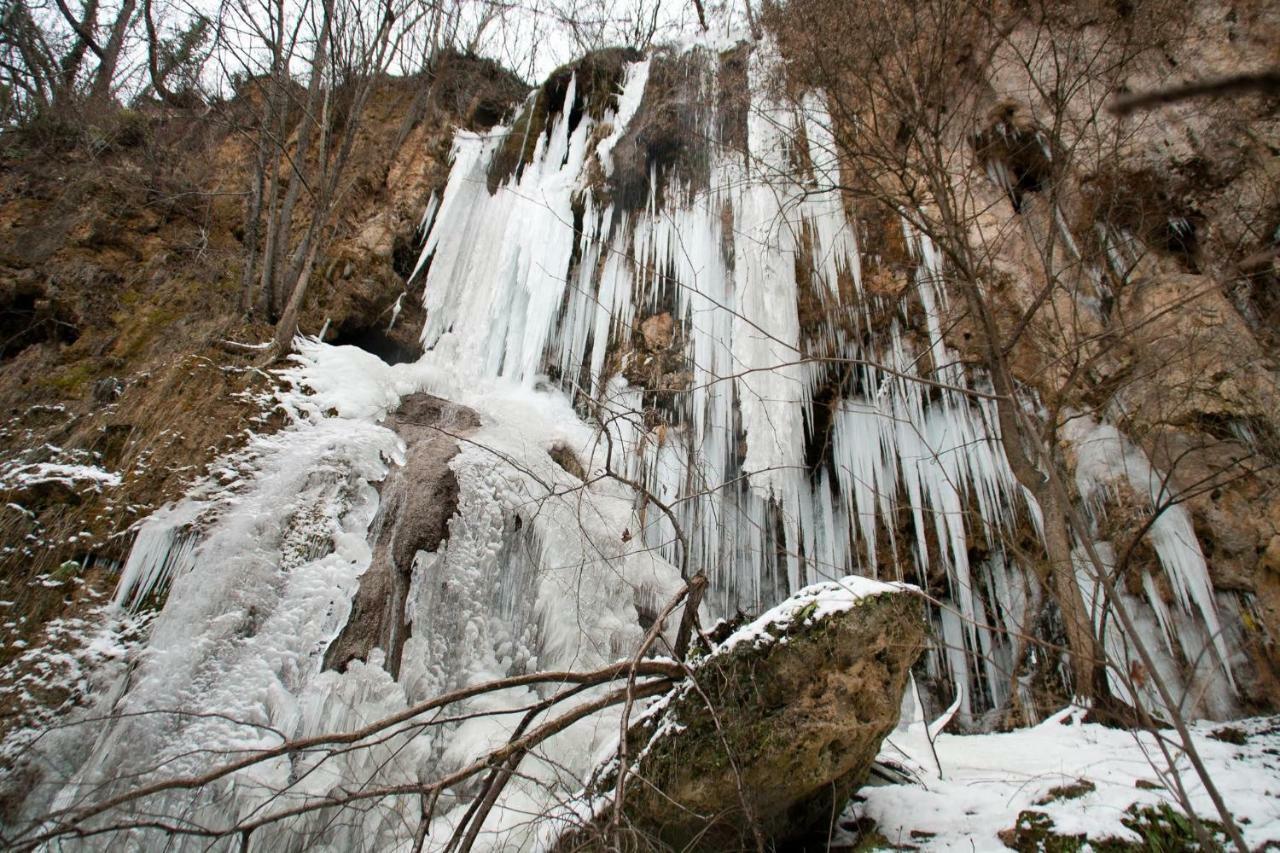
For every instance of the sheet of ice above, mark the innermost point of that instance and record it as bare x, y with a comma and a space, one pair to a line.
161, 549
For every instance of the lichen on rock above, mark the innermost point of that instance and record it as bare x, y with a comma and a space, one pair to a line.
776, 726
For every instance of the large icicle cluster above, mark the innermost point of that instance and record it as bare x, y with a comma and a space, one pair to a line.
553, 275
1106, 463
550, 275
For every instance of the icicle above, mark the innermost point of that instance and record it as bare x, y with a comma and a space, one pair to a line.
161, 550
429, 215
1105, 458
395, 312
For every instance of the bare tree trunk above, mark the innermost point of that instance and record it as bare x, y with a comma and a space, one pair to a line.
43, 79
1085, 657
268, 301
153, 64
83, 29
254, 218
331, 174
105, 76
288, 325
702, 15
1020, 444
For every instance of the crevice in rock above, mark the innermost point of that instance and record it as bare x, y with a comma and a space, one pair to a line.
563, 456
27, 318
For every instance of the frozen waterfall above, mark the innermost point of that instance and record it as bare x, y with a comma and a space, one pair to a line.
655, 339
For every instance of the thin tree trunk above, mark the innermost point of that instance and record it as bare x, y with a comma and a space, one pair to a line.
84, 41
29, 43
288, 325
1077, 621
1017, 440
106, 73
253, 223
268, 300
153, 63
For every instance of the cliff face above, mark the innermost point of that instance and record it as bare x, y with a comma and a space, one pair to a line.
1128, 262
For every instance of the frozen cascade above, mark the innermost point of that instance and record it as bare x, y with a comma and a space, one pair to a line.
1106, 462
281, 544
755, 520
536, 295
728, 454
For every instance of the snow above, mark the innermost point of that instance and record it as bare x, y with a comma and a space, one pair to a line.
811, 605
24, 476
73, 657
978, 784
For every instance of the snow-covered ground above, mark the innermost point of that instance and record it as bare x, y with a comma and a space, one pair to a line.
977, 785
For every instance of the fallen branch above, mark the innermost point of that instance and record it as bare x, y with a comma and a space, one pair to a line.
1264, 82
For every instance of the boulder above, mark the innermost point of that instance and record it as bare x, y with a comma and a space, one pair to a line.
778, 725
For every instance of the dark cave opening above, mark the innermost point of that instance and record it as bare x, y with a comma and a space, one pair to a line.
378, 341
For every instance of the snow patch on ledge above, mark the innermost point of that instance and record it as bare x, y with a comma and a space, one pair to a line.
24, 476
810, 605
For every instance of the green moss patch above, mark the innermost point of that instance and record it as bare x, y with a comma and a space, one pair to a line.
1074, 791
599, 77
1162, 829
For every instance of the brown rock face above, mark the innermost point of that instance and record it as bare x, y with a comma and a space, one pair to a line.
655, 359
657, 331
418, 499
778, 735
1270, 560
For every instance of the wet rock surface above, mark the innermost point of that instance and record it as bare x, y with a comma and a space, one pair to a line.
418, 499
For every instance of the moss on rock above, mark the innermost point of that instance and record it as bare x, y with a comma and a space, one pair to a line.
776, 733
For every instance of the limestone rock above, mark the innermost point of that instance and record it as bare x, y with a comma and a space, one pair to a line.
418, 499
657, 331
1270, 560
785, 719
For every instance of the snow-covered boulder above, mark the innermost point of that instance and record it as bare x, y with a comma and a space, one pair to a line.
778, 725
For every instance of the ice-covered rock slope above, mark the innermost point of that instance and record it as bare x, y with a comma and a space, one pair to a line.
613, 288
